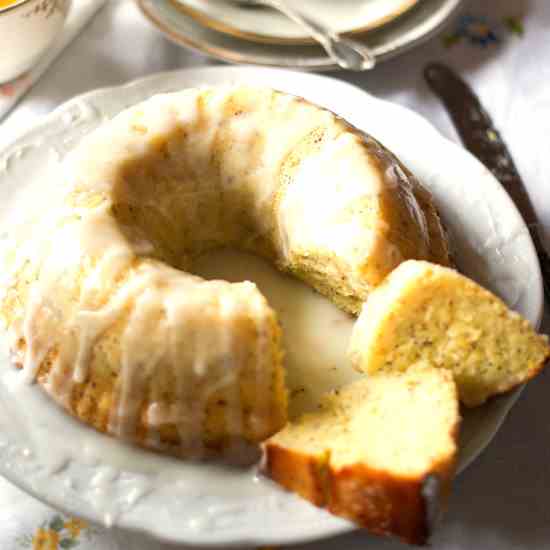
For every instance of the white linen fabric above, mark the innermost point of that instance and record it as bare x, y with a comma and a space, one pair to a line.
502, 49
80, 14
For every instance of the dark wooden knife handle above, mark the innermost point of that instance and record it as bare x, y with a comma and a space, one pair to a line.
483, 140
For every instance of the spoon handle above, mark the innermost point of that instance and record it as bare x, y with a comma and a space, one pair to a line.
349, 54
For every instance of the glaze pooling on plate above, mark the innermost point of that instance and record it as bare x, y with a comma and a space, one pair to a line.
184, 503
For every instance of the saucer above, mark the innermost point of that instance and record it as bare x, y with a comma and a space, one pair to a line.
415, 26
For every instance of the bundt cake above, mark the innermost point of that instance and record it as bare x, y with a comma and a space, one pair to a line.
380, 452
424, 311
103, 310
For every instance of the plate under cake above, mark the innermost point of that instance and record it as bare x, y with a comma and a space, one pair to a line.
216, 505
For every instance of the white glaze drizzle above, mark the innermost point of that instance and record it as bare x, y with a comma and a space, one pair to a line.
233, 358
35, 352
263, 405
91, 324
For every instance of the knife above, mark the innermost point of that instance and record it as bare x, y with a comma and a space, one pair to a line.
483, 140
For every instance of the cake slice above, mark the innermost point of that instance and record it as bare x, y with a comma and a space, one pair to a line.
424, 311
380, 452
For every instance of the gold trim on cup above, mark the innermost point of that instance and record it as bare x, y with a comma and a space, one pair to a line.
11, 7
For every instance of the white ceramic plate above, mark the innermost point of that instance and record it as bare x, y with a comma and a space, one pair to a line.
415, 26
215, 505
265, 25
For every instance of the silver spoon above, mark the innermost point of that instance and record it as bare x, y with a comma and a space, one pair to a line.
349, 54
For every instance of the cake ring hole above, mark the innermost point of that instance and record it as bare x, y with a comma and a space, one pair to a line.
184, 207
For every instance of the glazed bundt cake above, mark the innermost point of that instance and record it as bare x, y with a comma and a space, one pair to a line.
103, 309
424, 311
380, 451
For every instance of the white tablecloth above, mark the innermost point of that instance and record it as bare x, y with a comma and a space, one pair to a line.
502, 501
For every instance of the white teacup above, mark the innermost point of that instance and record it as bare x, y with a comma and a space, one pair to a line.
27, 29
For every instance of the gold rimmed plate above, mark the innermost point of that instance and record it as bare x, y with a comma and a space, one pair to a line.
415, 26
261, 24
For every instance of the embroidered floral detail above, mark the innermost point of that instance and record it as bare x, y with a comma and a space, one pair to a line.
45, 539
476, 30
450, 40
74, 526
9, 89
481, 31
514, 25
58, 533
48, 8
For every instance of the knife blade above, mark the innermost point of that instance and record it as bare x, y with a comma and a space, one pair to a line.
480, 136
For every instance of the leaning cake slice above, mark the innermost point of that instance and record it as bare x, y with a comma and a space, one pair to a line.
380, 452
425, 311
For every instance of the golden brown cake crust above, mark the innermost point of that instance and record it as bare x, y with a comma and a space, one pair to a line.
298, 472
380, 452
376, 500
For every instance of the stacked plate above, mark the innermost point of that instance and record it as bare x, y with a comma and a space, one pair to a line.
241, 32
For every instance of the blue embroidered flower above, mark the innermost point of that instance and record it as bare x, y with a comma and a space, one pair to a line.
477, 30
514, 25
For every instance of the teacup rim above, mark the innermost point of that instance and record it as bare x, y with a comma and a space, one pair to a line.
11, 7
